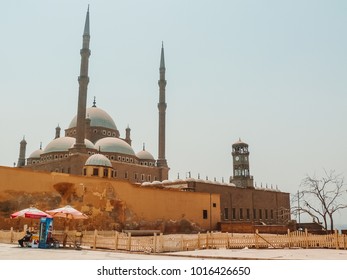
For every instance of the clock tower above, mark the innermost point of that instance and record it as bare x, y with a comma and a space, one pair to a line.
241, 175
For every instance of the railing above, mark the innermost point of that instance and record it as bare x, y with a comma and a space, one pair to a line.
113, 240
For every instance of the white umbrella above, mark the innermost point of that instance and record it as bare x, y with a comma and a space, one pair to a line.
67, 212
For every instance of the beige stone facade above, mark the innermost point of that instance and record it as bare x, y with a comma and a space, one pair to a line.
110, 204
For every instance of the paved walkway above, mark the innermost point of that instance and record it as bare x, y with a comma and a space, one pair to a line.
13, 252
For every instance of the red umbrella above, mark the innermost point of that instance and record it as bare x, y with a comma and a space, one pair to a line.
31, 212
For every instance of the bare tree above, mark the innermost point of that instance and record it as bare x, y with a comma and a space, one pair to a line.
321, 198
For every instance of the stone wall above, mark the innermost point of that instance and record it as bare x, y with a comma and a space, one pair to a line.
111, 204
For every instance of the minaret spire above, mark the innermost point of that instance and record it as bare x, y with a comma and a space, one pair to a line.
161, 162
162, 59
86, 24
22, 150
83, 81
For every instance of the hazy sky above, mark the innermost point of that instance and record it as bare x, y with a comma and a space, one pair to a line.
272, 73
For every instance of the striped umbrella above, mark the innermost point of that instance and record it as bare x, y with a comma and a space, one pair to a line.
31, 212
67, 212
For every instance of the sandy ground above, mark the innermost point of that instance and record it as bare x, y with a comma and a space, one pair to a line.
13, 252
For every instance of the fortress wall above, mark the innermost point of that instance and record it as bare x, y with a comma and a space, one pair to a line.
111, 204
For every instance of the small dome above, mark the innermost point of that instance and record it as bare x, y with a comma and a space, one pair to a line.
178, 181
98, 160
190, 179
156, 183
144, 155
63, 144
36, 154
114, 145
166, 182
98, 117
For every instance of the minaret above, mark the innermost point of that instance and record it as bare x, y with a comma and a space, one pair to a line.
127, 135
57, 132
22, 149
161, 162
83, 81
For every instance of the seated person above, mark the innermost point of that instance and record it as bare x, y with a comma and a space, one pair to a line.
26, 238
51, 241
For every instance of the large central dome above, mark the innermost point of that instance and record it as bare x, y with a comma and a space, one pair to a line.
98, 117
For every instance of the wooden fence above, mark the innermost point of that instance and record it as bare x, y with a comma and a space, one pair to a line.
157, 243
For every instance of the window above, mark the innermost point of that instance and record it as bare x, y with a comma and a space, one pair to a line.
149, 178
272, 213
105, 172
135, 176
260, 214
234, 213
254, 214
214, 205
95, 172
126, 175
241, 214
142, 177
226, 213
266, 214
248, 213
204, 214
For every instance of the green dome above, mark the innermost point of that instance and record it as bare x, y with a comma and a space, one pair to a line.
144, 155
36, 154
98, 160
114, 145
98, 117
63, 144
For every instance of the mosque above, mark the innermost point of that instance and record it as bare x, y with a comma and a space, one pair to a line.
92, 147
92, 139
